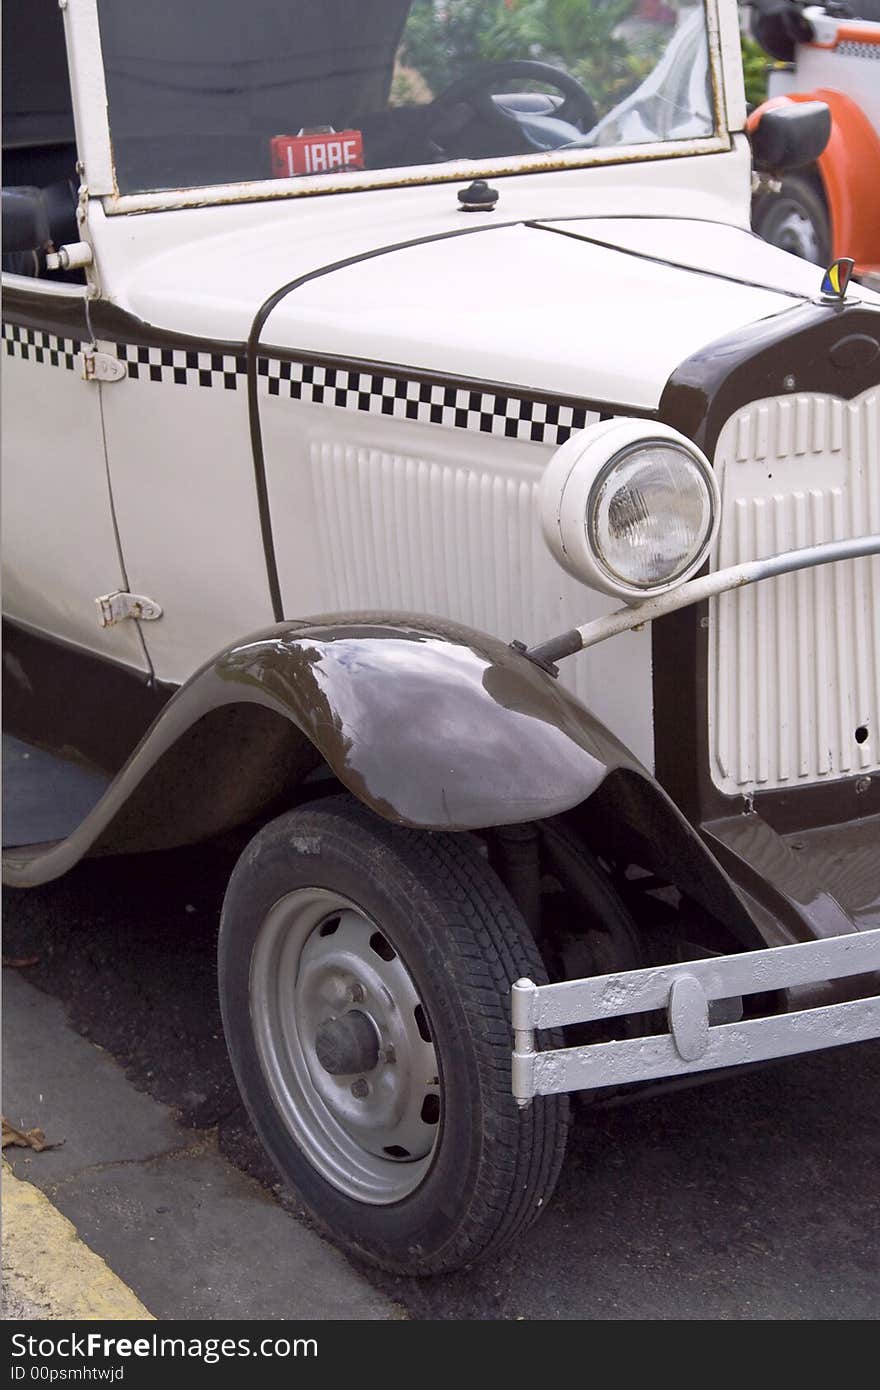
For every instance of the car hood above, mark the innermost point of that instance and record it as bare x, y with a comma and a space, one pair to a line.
596, 308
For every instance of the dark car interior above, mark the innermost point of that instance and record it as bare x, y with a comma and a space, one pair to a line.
39, 151
196, 93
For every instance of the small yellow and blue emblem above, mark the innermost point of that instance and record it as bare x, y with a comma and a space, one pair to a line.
836, 278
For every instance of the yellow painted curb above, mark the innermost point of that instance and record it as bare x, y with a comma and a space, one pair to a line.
46, 1263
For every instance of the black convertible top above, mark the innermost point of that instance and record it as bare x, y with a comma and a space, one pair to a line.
36, 92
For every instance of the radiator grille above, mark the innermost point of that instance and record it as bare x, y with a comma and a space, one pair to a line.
794, 662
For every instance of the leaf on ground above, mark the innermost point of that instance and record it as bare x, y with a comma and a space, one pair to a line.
20, 962
27, 1138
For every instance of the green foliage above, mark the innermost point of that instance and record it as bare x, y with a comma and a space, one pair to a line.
441, 41
433, 44
754, 70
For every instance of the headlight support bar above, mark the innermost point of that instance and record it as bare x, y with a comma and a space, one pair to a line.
546, 654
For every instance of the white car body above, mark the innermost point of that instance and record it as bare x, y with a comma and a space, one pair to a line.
338, 395
204, 272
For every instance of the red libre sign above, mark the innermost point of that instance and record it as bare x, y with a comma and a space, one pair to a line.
316, 154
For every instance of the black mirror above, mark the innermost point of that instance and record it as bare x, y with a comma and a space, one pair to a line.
25, 221
788, 137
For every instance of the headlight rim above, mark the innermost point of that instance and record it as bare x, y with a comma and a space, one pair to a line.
566, 488
706, 473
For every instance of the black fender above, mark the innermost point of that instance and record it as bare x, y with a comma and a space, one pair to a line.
428, 723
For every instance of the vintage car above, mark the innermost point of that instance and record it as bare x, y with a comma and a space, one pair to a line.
832, 206
316, 316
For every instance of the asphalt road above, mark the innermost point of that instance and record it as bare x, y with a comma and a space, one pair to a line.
751, 1198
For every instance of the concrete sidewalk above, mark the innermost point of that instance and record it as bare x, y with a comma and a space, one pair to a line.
190, 1235
48, 1272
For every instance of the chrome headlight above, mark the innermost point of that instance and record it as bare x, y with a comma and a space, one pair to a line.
629, 507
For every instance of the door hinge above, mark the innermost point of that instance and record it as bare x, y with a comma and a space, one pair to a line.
100, 366
115, 608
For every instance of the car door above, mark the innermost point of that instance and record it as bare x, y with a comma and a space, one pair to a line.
59, 542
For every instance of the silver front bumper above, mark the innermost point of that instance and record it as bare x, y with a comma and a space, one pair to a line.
685, 992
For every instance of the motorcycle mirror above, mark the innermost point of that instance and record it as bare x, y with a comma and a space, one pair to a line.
790, 136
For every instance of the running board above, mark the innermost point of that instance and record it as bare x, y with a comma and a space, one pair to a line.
45, 797
685, 991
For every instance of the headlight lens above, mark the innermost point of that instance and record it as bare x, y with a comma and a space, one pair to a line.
650, 513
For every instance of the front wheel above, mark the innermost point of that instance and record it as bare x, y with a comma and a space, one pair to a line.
795, 219
365, 975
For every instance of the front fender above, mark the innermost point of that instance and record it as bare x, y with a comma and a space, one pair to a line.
429, 724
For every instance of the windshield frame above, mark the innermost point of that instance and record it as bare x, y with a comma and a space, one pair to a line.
94, 138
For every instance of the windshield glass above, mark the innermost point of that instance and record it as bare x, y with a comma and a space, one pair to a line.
221, 91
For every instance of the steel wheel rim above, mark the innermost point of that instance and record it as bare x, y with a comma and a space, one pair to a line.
792, 230
371, 1133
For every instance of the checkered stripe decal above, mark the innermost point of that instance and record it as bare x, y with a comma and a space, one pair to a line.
183, 367
33, 345
851, 48
508, 416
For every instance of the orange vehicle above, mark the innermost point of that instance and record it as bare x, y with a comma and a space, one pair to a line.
830, 208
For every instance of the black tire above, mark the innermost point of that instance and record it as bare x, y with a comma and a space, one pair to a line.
463, 942
795, 219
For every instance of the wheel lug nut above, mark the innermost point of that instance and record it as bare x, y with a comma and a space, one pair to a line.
359, 1089
356, 993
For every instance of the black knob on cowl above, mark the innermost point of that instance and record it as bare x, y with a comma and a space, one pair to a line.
478, 197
